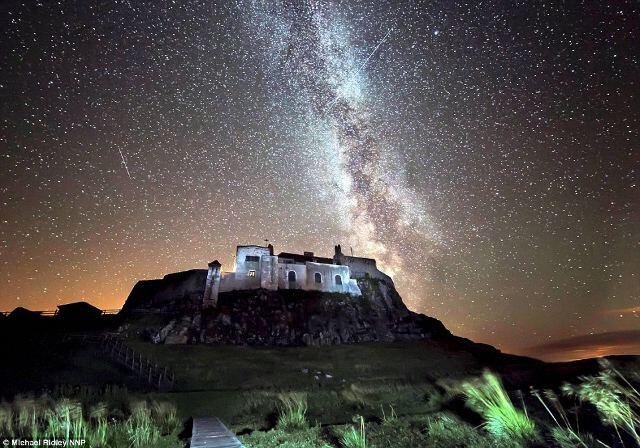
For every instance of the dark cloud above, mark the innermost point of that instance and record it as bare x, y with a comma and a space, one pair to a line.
588, 346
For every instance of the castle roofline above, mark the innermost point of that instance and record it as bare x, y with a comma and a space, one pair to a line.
301, 258
360, 258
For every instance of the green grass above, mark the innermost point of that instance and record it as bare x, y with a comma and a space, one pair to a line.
201, 367
307, 397
487, 397
240, 384
439, 431
292, 411
353, 437
445, 430
279, 438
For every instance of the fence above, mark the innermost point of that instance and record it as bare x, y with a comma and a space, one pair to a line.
143, 367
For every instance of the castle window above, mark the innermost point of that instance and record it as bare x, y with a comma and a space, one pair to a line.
292, 276
338, 280
318, 277
252, 273
252, 258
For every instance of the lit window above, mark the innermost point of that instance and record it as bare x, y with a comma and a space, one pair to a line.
318, 277
252, 273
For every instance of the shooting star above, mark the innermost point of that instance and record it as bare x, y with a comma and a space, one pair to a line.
124, 162
363, 65
366, 61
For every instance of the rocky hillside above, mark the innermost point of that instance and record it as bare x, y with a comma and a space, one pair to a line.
296, 317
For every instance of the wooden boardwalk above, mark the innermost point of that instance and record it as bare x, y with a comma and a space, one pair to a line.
210, 432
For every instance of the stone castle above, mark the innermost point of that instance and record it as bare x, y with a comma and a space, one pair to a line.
256, 267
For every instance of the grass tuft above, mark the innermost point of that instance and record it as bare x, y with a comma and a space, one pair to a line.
354, 438
140, 427
292, 411
613, 396
487, 397
166, 415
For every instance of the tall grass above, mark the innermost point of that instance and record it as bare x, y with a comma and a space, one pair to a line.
292, 411
6, 420
563, 433
614, 397
354, 438
166, 416
141, 429
503, 420
99, 436
389, 418
64, 419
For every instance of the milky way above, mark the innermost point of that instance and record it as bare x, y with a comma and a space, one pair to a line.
314, 52
485, 153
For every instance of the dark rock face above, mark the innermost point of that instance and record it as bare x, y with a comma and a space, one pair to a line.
296, 317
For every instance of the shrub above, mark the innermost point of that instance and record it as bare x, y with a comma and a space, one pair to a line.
292, 411
487, 397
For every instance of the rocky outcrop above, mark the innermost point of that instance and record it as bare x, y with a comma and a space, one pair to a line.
296, 317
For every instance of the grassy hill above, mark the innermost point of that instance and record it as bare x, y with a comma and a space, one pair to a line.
402, 390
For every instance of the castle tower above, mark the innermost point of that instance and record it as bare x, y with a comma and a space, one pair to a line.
210, 299
338, 257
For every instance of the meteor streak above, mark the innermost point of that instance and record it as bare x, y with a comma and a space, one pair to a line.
363, 65
124, 162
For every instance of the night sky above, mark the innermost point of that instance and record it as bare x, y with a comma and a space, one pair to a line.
486, 153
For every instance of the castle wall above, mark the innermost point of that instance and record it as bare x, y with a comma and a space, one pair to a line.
361, 267
179, 290
328, 273
243, 266
269, 272
200, 287
256, 267
283, 276
231, 281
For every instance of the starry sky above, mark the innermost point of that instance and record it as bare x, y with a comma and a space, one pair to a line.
485, 153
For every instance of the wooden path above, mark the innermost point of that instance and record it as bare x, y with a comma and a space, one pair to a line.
210, 432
